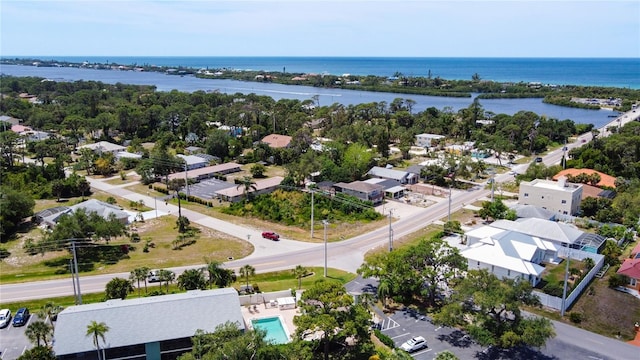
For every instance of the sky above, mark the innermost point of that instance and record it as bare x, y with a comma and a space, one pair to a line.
418, 28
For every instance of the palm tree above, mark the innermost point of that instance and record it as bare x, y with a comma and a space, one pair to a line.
246, 272
248, 184
167, 276
97, 330
299, 272
50, 311
39, 330
217, 275
384, 289
139, 274
192, 279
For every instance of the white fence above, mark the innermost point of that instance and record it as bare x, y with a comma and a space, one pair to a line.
555, 302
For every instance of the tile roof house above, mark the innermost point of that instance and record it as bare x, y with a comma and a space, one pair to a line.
605, 180
277, 140
630, 268
157, 327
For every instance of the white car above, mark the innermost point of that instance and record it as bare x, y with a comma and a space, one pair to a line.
414, 344
5, 317
154, 276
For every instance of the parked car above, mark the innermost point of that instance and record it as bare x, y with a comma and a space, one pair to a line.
21, 318
414, 344
538, 159
153, 276
271, 235
5, 317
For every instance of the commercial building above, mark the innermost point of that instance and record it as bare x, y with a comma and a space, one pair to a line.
152, 328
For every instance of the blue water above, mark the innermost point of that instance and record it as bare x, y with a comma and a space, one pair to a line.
165, 82
615, 72
274, 328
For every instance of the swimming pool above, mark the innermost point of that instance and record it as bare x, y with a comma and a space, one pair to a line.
274, 326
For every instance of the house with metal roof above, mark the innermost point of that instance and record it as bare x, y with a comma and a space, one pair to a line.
193, 162
152, 328
403, 177
49, 217
512, 255
559, 233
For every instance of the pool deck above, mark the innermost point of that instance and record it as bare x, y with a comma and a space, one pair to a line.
262, 311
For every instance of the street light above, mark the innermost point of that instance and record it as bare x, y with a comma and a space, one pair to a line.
325, 223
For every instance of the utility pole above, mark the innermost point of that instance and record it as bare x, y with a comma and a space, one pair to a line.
186, 180
73, 280
312, 214
390, 232
325, 223
449, 202
77, 275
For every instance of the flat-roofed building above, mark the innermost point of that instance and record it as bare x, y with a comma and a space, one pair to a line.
362, 190
560, 196
208, 171
427, 140
152, 328
237, 192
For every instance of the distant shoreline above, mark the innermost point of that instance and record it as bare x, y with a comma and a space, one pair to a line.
600, 72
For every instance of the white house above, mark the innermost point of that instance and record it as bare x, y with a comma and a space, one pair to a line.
510, 254
426, 140
193, 162
103, 147
560, 196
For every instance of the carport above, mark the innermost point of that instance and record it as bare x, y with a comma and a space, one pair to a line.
395, 192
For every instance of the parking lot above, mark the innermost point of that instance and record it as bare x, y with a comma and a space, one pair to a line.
405, 324
13, 342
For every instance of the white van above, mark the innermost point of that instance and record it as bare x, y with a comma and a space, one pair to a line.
5, 317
